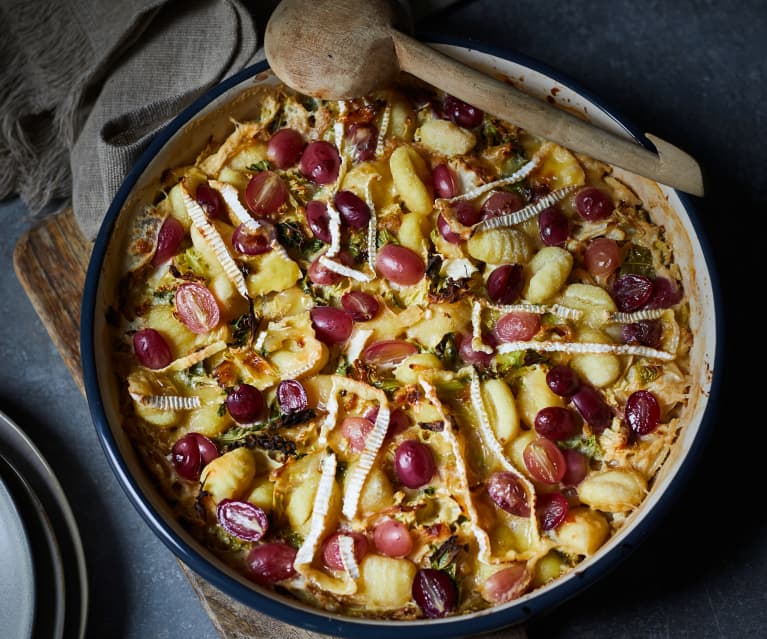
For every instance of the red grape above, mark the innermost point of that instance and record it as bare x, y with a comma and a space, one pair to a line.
363, 307
505, 283
168, 240
551, 510
322, 275
506, 584
556, 422
398, 422
196, 307
400, 265
469, 355
414, 463
466, 213
463, 114
435, 592
577, 467
553, 226
593, 204
269, 563
354, 211
444, 182
318, 220
562, 380
331, 325
266, 193
665, 294
593, 408
331, 551
356, 430
248, 243
544, 461
508, 493
246, 404
191, 453
291, 396
632, 291
392, 538
645, 333
501, 203
285, 147
602, 257
320, 162
152, 351
242, 519
364, 139
642, 412
446, 232
210, 200
517, 325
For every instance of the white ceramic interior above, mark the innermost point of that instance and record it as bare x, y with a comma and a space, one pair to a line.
214, 119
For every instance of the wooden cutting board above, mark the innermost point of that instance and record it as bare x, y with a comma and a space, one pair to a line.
51, 261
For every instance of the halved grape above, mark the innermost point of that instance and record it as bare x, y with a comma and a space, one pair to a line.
544, 461
151, 349
444, 182
665, 294
211, 202
517, 325
414, 463
632, 291
506, 584
356, 431
246, 404
400, 265
508, 493
353, 209
249, 243
642, 412
364, 139
266, 193
168, 240
242, 519
551, 510
435, 592
556, 422
285, 148
291, 396
593, 204
593, 408
505, 283
196, 307
462, 113
318, 220
392, 538
331, 551
553, 226
562, 380
602, 257
363, 307
320, 162
331, 325
501, 203
191, 453
446, 232
270, 563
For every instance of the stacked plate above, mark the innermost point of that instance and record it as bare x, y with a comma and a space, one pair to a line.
43, 581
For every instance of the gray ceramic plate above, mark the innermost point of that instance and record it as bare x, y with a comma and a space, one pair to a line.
59, 556
17, 578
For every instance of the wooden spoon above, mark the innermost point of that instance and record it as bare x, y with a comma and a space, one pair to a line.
343, 49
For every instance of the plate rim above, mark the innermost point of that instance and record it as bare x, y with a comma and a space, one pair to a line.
314, 619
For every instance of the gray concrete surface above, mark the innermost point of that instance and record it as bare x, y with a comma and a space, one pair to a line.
691, 71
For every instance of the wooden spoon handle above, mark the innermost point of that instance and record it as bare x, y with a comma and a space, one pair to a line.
670, 166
